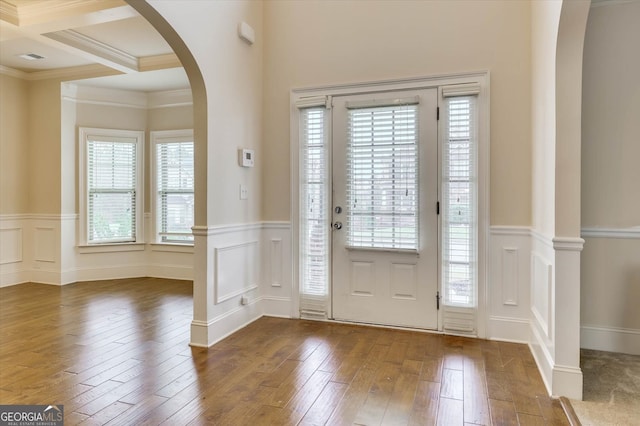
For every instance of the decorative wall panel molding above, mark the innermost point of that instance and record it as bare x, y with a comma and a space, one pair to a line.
510, 282
275, 256
45, 244
236, 270
10, 245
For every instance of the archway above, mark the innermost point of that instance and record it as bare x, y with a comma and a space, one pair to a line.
567, 376
199, 95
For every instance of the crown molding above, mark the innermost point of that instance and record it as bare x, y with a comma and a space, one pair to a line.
101, 96
169, 98
11, 72
125, 98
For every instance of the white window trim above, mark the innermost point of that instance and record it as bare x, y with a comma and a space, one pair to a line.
163, 136
482, 79
85, 134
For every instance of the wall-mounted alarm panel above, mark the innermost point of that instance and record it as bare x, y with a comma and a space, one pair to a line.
246, 157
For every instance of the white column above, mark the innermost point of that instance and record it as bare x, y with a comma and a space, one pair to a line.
567, 375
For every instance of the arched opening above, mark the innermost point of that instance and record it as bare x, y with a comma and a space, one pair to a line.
610, 213
199, 96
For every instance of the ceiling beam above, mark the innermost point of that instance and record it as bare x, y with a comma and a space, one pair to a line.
96, 50
63, 13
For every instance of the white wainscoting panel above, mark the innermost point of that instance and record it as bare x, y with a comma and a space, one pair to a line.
510, 276
13, 251
236, 270
275, 262
508, 286
44, 244
541, 288
277, 268
10, 245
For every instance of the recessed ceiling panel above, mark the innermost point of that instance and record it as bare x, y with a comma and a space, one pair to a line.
134, 36
53, 58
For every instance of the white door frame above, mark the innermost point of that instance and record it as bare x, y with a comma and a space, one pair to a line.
481, 78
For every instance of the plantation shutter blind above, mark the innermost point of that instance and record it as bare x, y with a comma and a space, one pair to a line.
175, 181
314, 207
111, 182
459, 198
382, 175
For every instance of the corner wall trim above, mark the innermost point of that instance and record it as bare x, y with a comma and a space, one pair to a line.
568, 243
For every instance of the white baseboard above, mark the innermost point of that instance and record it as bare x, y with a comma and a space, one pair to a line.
112, 272
610, 339
207, 334
506, 329
273, 306
541, 355
42, 276
173, 272
567, 382
7, 279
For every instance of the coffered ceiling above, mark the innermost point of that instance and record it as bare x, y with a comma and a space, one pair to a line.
70, 38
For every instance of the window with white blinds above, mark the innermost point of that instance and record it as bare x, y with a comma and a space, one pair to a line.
459, 199
382, 177
174, 186
314, 220
111, 184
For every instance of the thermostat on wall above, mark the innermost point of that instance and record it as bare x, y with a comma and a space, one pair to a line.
246, 157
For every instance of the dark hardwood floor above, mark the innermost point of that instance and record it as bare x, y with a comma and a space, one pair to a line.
116, 352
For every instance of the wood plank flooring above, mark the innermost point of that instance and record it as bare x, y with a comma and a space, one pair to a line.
116, 352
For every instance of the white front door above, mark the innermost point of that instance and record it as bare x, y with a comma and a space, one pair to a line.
384, 217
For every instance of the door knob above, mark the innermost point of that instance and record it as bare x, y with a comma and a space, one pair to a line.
337, 225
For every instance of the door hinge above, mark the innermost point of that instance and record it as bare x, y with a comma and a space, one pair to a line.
437, 113
437, 300
437, 207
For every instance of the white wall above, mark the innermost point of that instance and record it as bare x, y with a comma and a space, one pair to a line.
204, 35
557, 47
610, 175
545, 19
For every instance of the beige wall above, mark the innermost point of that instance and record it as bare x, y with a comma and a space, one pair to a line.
611, 117
44, 147
610, 169
116, 117
170, 118
14, 146
314, 43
